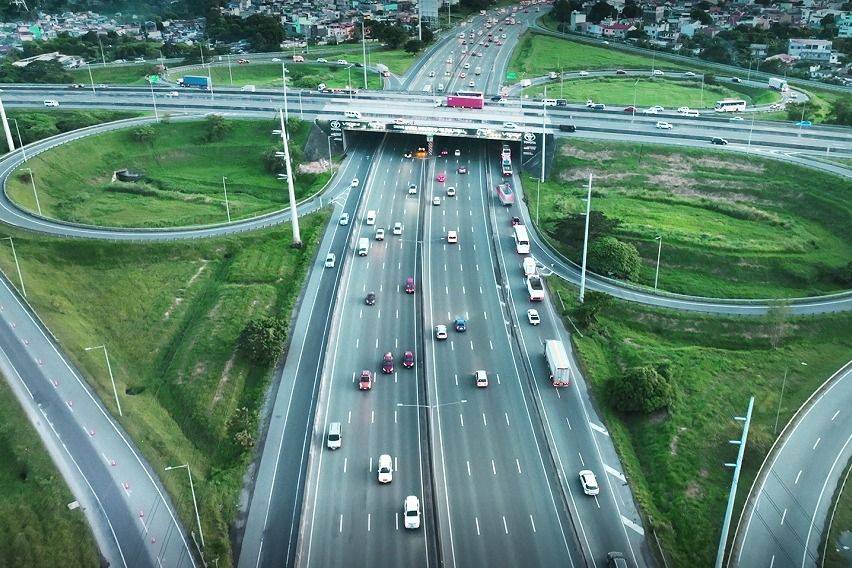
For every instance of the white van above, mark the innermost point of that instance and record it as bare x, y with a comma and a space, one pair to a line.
440, 87
352, 114
334, 439
248, 88
549, 102
371, 217
526, 83
363, 246
529, 266
51, 103
427, 88
477, 71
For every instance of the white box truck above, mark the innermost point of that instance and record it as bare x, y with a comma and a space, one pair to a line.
778, 84
529, 267
363, 246
557, 363
536, 288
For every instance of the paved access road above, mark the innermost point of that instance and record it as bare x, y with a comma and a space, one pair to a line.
786, 516
349, 518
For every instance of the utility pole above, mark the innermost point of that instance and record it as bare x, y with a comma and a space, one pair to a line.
35, 193
21, 141
419, 20
103, 58
153, 100
17, 266
194, 502
780, 398
10, 142
543, 155
659, 250
586, 241
726, 525
364, 50
284, 84
227, 207
230, 73
294, 213
91, 80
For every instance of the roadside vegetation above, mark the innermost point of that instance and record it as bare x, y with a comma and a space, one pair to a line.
37, 526
114, 74
299, 75
183, 163
731, 225
172, 315
38, 124
836, 556
649, 91
669, 384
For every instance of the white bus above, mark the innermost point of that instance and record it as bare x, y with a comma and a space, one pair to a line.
730, 105
522, 240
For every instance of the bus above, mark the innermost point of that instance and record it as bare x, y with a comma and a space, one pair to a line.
522, 239
505, 194
466, 99
730, 105
506, 167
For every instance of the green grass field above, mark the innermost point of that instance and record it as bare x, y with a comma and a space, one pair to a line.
117, 75
674, 459
731, 226
305, 76
183, 176
536, 55
36, 524
645, 91
171, 314
38, 124
835, 556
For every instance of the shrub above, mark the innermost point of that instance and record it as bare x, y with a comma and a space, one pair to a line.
643, 389
611, 257
262, 339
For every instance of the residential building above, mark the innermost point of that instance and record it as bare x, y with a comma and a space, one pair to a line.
810, 49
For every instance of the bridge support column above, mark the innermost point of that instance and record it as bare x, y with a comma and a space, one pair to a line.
430, 145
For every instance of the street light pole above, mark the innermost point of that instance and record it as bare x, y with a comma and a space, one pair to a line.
750, 130
284, 84
659, 250
194, 502
17, 266
349, 81
780, 398
20, 140
103, 59
633, 113
586, 242
91, 80
227, 207
35, 193
294, 213
329, 151
364, 50
9, 140
111, 378
154, 100
230, 73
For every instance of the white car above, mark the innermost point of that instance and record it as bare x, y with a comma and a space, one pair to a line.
480, 379
411, 512
467, 65
462, 75
471, 84
412, 189
276, 60
344, 218
440, 332
436, 200
664, 125
658, 73
397, 228
342, 62
653, 110
457, 153
683, 110
533, 317
355, 182
510, 125
322, 60
689, 74
589, 482
380, 234
451, 191
452, 237
329, 260
584, 73
401, 121
172, 94
51, 103
385, 468
736, 118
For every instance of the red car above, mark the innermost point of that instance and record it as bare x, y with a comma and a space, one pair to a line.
630, 109
444, 152
408, 360
387, 363
409, 285
441, 177
516, 221
365, 383
462, 169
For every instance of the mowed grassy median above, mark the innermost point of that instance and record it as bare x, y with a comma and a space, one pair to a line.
299, 75
731, 226
171, 315
675, 458
183, 176
114, 75
37, 526
668, 93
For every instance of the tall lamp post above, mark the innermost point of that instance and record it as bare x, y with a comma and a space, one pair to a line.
586, 241
20, 140
294, 213
9, 140
35, 193
364, 50
17, 266
227, 206
659, 250
194, 502
111, 378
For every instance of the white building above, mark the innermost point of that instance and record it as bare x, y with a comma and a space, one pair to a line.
810, 49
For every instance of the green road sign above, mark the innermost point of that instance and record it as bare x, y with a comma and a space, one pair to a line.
153, 79
511, 75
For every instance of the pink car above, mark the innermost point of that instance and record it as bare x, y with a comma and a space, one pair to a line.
441, 177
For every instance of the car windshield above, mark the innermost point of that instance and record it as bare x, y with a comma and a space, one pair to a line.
411, 513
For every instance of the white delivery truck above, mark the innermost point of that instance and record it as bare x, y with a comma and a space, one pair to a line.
363, 246
248, 88
526, 83
536, 288
529, 267
557, 363
778, 84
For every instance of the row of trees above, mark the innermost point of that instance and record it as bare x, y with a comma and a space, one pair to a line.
607, 254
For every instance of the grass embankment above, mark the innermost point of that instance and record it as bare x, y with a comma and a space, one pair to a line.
171, 315
37, 526
732, 226
114, 75
674, 459
183, 176
841, 528
669, 93
38, 124
299, 75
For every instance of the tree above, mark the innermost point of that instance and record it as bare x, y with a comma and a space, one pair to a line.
801, 111
614, 258
701, 16
262, 339
241, 426
775, 322
144, 134
631, 10
216, 127
394, 36
841, 111
601, 11
562, 9
413, 46
570, 229
427, 34
709, 79
643, 389
594, 303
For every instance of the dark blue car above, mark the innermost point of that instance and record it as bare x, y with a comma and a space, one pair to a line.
460, 324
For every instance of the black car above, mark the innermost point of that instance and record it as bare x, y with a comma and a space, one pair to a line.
719, 141
370, 299
496, 98
567, 128
561, 102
